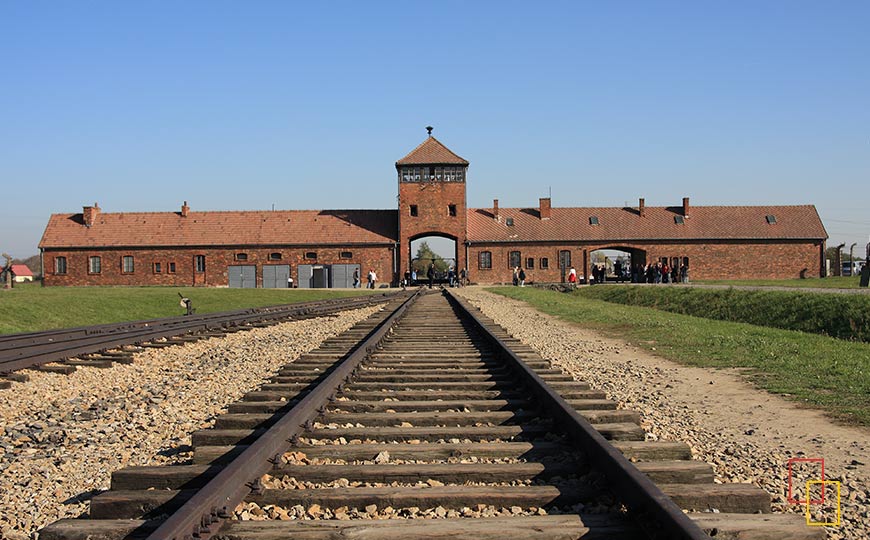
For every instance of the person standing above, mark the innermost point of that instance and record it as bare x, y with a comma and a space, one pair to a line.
463, 275
430, 273
356, 279
413, 277
522, 277
451, 276
572, 276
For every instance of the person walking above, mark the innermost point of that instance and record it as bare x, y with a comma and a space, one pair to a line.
522, 277
372, 277
430, 273
516, 276
356, 279
451, 276
413, 277
572, 277
463, 275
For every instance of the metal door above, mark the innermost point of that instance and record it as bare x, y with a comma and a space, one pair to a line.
304, 273
275, 276
342, 275
320, 277
242, 277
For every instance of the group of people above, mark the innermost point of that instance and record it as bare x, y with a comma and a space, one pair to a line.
372, 278
519, 277
454, 279
660, 273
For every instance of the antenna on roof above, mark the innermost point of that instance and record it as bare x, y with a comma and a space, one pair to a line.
429, 130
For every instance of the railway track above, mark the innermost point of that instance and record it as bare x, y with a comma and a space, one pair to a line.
61, 351
427, 421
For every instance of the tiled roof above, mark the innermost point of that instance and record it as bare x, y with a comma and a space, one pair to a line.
21, 270
282, 227
431, 152
658, 223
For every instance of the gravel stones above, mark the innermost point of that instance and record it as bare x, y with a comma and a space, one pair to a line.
61, 436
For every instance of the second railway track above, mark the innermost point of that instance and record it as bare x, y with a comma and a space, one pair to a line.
428, 422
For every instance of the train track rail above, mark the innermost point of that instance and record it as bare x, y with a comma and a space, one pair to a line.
101, 345
427, 420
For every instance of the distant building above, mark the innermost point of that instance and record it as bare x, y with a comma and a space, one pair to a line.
21, 273
323, 248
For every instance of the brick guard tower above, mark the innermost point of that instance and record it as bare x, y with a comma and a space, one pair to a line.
431, 198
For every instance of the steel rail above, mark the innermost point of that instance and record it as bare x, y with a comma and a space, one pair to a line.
635, 488
58, 345
202, 515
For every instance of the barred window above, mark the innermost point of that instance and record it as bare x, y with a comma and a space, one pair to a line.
485, 260
95, 265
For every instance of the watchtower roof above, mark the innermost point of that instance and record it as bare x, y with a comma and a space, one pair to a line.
431, 152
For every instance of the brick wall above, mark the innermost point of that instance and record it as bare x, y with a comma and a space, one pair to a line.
724, 260
433, 200
217, 260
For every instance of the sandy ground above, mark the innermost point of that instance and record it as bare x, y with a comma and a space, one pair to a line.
747, 434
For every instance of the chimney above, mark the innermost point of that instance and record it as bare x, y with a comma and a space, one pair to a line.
640, 206
545, 208
90, 213
495, 209
685, 207
185, 209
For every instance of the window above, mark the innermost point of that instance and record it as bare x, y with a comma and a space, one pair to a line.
593, 220
514, 259
545, 263
413, 210
451, 210
771, 219
275, 256
60, 265
95, 265
345, 255
509, 222
310, 254
241, 256
565, 259
200, 263
171, 268
127, 264
530, 263
679, 220
157, 268
484, 260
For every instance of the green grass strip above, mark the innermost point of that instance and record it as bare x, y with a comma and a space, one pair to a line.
34, 308
824, 372
853, 282
844, 316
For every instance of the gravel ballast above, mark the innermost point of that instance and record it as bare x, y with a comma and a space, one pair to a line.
747, 434
61, 436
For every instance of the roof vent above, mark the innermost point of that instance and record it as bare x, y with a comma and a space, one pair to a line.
593, 220
509, 222
771, 219
679, 220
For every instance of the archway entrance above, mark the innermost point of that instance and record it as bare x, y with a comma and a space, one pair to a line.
616, 263
432, 250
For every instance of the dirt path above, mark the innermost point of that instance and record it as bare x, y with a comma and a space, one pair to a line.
747, 434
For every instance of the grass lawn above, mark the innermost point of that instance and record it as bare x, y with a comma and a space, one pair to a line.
28, 308
828, 373
819, 283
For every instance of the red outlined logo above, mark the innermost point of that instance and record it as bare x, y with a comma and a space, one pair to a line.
791, 470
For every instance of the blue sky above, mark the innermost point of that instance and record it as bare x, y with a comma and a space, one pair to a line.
242, 105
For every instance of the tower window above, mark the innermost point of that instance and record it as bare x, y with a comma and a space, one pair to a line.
432, 173
413, 210
451, 210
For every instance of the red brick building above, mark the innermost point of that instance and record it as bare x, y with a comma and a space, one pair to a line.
324, 248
